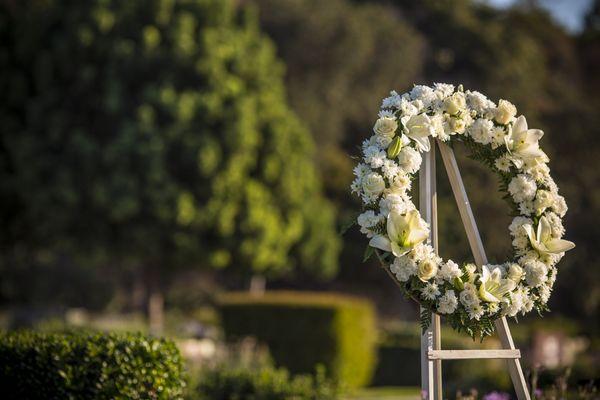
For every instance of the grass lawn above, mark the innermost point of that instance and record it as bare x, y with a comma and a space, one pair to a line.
386, 393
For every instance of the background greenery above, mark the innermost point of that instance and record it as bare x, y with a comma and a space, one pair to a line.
154, 154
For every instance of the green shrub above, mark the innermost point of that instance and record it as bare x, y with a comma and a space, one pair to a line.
88, 366
264, 384
305, 329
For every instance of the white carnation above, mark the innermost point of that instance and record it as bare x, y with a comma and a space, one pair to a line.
560, 205
468, 296
481, 131
522, 187
516, 226
423, 93
403, 268
449, 270
448, 303
536, 273
375, 156
390, 169
393, 202
478, 102
409, 159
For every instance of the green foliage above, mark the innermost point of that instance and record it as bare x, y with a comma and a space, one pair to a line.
266, 383
303, 330
88, 366
141, 131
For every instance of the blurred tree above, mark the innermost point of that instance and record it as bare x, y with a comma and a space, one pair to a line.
154, 134
342, 59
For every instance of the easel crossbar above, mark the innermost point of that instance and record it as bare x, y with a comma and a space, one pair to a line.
474, 354
431, 353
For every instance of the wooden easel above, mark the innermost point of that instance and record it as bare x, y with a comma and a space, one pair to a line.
431, 352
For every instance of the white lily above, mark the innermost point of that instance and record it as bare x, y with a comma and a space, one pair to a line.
419, 128
493, 287
404, 231
524, 143
543, 241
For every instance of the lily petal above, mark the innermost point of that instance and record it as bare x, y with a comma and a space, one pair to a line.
380, 242
556, 246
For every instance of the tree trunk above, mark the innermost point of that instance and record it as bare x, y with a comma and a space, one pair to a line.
155, 302
257, 285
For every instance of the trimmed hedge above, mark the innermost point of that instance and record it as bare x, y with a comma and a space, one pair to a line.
88, 366
264, 384
304, 329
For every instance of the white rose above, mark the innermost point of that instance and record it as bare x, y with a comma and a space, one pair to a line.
455, 103
427, 269
386, 127
469, 297
373, 184
505, 112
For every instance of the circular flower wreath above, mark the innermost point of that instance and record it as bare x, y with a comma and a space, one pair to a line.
470, 299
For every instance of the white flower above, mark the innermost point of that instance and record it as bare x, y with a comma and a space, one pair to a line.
505, 112
526, 207
454, 125
498, 134
361, 170
522, 187
516, 226
468, 296
394, 202
544, 293
409, 159
437, 122
375, 156
390, 169
481, 131
391, 101
403, 268
423, 251
401, 183
543, 241
385, 114
419, 128
368, 219
535, 273
448, 303
449, 270
478, 102
455, 103
471, 268
556, 224
475, 311
373, 184
423, 93
386, 127
404, 231
543, 200
503, 163
524, 143
515, 272
560, 205
430, 291
443, 89
427, 269
493, 287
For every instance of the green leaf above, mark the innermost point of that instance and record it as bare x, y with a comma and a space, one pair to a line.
368, 253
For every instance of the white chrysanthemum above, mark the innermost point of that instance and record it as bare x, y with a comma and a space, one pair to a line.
498, 135
529, 256
449, 270
536, 273
516, 226
539, 171
437, 121
409, 159
544, 292
394, 202
409, 108
430, 291
481, 131
386, 114
423, 93
356, 186
391, 101
390, 169
375, 157
468, 296
478, 102
503, 163
448, 303
543, 200
361, 170
476, 311
522, 187
403, 268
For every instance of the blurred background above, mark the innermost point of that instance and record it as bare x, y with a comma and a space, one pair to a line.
182, 168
